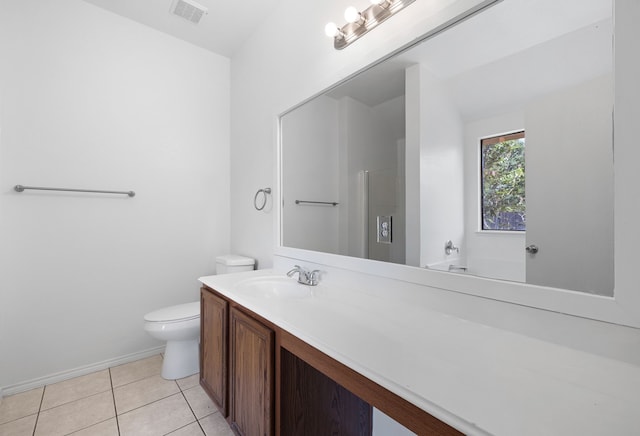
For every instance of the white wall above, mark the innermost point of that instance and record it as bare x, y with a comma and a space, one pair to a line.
437, 134
413, 102
91, 100
310, 165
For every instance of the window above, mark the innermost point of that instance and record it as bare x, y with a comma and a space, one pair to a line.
502, 182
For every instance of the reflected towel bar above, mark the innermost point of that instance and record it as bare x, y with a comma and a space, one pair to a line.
332, 203
21, 188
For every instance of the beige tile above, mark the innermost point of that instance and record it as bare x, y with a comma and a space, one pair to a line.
189, 382
20, 405
216, 425
134, 371
199, 402
159, 418
76, 415
104, 428
192, 429
142, 392
75, 389
19, 427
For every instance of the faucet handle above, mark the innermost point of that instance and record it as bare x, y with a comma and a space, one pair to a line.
314, 277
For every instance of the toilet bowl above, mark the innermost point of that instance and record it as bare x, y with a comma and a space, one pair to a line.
179, 326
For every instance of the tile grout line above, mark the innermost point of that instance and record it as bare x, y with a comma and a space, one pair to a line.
115, 408
191, 408
133, 381
74, 401
152, 402
39, 408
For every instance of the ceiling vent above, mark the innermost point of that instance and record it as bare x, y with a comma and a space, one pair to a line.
189, 10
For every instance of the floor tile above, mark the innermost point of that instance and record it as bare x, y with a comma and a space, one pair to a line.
142, 392
216, 425
157, 418
199, 402
189, 382
19, 427
20, 405
104, 428
134, 371
75, 389
190, 430
76, 415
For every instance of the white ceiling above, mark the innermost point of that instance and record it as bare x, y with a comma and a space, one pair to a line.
223, 30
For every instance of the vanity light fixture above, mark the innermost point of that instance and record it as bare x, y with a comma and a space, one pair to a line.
359, 23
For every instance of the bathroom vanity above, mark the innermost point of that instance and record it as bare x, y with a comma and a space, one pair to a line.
283, 358
267, 381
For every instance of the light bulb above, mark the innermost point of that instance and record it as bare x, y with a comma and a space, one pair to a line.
331, 30
351, 14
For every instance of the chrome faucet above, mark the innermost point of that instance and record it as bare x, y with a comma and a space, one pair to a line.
305, 277
449, 247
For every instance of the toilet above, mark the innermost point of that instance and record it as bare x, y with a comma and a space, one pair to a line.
179, 325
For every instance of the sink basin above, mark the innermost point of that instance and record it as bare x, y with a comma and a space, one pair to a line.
274, 287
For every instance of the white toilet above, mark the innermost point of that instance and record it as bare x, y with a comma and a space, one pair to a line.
180, 326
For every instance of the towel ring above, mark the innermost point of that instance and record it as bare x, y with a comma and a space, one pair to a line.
264, 192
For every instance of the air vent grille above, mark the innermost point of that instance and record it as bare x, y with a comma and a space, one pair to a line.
189, 10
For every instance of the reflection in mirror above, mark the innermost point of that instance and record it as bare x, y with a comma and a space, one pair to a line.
398, 150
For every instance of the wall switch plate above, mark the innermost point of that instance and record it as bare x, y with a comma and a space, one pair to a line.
384, 229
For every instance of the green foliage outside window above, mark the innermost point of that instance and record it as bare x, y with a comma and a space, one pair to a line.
503, 197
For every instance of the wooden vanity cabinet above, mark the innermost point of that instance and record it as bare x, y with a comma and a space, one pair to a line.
214, 320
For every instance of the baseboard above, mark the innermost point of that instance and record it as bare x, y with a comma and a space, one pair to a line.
77, 372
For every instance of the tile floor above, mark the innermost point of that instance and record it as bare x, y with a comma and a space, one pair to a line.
130, 399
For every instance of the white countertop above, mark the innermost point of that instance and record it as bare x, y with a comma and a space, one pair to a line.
478, 379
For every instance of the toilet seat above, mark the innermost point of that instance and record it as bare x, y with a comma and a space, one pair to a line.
178, 313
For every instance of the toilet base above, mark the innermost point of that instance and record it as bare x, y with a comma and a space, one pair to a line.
181, 359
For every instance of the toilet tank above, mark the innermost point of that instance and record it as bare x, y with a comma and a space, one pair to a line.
232, 263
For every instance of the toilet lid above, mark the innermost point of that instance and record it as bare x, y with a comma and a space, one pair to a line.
181, 312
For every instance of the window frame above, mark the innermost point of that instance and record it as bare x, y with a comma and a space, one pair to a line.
491, 140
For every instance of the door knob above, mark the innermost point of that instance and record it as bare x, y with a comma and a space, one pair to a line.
532, 249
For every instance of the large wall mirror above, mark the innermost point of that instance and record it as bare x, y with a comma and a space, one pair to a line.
486, 150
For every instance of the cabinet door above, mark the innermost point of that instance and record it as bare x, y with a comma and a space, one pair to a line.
251, 376
213, 347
